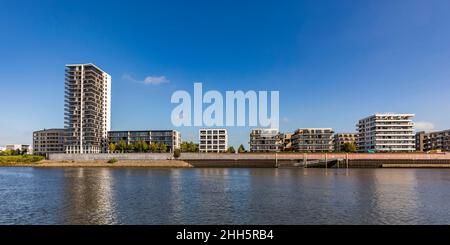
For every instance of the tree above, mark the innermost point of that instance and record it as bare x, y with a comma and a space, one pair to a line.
188, 147
193, 147
121, 146
176, 153
162, 147
17, 152
184, 146
112, 147
139, 146
6, 153
348, 147
153, 147
231, 150
144, 146
241, 149
130, 147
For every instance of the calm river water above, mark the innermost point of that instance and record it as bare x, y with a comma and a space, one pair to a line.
224, 196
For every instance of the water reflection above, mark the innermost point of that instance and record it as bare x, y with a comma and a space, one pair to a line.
89, 197
224, 196
394, 195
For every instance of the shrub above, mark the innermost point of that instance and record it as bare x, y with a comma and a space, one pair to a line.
113, 160
231, 150
349, 147
21, 159
177, 153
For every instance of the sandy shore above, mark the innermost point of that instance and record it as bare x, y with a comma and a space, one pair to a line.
103, 164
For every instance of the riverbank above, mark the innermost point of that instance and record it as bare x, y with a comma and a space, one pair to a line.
243, 160
102, 164
225, 164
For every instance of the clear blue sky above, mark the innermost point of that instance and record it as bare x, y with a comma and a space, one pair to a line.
332, 61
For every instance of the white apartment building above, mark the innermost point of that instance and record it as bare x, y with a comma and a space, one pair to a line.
213, 140
87, 108
386, 132
265, 140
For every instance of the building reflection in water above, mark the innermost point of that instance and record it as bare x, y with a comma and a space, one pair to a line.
375, 196
246, 196
88, 196
176, 197
395, 195
208, 195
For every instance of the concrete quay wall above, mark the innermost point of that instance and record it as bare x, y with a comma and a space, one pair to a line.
107, 156
249, 156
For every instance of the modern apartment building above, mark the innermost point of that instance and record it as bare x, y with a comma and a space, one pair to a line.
387, 132
313, 140
439, 140
49, 141
213, 140
341, 138
87, 108
171, 138
285, 141
265, 140
420, 141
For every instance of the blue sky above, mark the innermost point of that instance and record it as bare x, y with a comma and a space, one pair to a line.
332, 61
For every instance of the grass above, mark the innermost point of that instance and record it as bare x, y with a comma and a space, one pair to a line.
21, 159
113, 160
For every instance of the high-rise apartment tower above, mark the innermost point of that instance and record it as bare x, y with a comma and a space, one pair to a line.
87, 108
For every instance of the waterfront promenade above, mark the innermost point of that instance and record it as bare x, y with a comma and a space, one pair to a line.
251, 156
245, 160
265, 160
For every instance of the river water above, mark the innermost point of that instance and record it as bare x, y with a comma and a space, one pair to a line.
224, 196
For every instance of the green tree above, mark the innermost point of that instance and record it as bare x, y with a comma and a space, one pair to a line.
348, 147
188, 147
241, 149
121, 146
193, 147
144, 146
231, 150
153, 147
6, 153
176, 153
112, 147
139, 146
130, 147
184, 146
162, 147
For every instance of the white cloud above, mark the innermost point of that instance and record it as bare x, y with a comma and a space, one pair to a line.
285, 119
151, 80
424, 126
155, 80
128, 77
